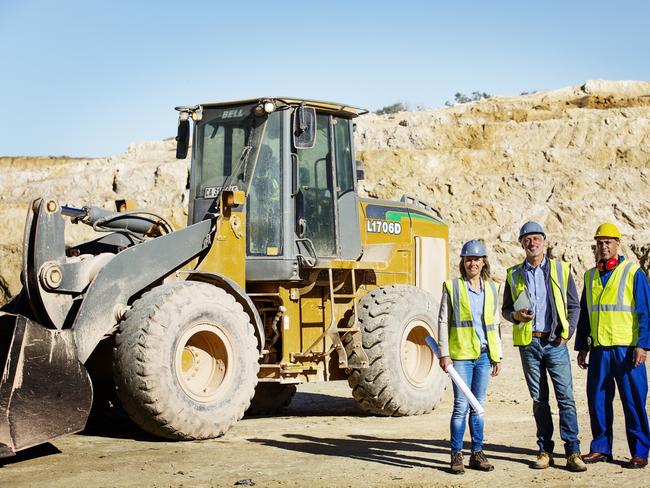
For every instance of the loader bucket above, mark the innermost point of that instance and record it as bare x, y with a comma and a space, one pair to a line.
45, 392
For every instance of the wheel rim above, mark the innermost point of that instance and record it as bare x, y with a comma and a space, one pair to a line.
416, 357
203, 358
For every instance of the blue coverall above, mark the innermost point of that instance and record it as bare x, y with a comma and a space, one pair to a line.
614, 364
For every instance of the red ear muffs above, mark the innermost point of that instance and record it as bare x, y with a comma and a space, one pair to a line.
607, 265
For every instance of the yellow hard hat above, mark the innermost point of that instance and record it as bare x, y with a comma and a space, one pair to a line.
608, 230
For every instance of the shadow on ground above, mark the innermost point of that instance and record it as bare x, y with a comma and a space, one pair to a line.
320, 405
405, 453
35, 452
113, 422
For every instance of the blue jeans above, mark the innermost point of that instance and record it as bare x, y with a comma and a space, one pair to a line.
538, 358
476, 373
609, 365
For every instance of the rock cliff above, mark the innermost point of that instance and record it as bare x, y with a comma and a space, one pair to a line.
568, 159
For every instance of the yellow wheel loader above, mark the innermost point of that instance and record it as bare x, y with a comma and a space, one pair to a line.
283, 275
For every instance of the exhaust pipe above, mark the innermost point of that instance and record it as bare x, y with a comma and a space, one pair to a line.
45, 392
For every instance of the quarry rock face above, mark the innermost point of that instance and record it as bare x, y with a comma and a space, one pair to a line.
147, 173
569, 159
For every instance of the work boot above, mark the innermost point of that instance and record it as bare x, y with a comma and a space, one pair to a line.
457, 463
575, 463
596, 457
543, 461
637, 463
478, 461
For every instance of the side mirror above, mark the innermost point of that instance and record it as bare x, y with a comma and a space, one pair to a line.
182, 138
361, 174
304, 127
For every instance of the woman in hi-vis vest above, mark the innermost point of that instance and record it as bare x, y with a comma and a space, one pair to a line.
469, 338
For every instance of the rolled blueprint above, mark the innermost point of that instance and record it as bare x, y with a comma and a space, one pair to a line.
458, 381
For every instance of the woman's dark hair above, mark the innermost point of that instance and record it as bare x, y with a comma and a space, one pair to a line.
485, 272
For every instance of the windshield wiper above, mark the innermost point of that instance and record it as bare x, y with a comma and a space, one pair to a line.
243, 157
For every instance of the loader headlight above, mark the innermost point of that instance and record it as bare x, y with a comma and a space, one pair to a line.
197, 114
265, 107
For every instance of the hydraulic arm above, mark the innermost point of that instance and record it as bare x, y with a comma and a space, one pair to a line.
68, 304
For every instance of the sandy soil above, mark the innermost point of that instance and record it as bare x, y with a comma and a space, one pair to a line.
323, 439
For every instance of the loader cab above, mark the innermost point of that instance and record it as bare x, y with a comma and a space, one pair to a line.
325, 195
301, 200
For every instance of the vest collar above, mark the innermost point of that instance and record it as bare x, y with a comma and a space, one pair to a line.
520, 269
469, 288
620, 268
621, 260
543, 265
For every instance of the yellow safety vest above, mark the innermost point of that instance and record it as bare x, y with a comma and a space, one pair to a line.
612, 317
522, 334
463, 341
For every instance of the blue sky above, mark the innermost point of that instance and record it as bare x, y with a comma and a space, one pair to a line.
86, 78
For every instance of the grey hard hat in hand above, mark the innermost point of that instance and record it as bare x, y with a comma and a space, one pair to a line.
531, 228
473, 248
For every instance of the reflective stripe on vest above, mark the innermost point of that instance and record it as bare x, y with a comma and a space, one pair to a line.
612, 317
522, 334
463, 341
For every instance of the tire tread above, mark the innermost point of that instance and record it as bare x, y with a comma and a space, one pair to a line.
138, 361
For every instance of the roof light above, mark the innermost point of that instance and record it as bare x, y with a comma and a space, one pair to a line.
264, 107
197, 114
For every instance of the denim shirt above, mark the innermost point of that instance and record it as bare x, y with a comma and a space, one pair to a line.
536, 285
572, 303
476, 302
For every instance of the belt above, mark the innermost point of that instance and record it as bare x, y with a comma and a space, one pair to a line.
543, 335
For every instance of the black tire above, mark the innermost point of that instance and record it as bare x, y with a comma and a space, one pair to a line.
270, 398
185, 361
403, 377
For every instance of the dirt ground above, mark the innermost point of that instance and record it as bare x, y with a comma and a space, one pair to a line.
323, 439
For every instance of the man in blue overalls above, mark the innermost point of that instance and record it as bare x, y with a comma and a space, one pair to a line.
614, 330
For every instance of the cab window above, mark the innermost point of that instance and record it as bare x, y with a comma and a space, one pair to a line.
316, 207
344, 163
264, 215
